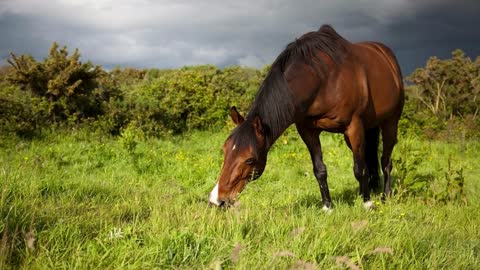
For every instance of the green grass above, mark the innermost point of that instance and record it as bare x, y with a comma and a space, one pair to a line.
90, 204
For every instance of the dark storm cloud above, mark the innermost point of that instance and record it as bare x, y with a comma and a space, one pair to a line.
435, 30
15, 36
176, 33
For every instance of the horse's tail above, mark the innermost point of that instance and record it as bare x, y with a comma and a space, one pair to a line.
371, 157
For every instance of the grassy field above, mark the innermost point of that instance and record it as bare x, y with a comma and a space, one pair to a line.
83, 201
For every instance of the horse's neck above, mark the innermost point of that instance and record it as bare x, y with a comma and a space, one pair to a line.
277, 104
271, 131
272, 138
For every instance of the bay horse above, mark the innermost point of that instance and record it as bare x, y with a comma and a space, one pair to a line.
319, 82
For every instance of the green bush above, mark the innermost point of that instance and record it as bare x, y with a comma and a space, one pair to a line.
445, 93
413, 176
69, 86
21, 113
189, 98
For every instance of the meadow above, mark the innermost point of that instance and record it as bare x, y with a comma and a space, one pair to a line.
79, 200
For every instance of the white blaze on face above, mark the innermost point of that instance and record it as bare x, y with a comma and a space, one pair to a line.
213, 196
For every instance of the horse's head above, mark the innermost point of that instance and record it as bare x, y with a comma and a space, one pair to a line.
244, 159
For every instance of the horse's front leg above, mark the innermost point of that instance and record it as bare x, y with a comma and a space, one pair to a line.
311, 138
356, 137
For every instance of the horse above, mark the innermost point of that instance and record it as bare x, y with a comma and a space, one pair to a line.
319, 82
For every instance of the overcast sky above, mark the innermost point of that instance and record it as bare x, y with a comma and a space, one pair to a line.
174, 33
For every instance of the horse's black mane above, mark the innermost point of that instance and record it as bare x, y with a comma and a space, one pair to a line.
274, 101
326, 39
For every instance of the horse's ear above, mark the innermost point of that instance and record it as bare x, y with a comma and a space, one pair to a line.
257, 125
237, 118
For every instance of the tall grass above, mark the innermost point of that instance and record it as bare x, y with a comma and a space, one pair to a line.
80, 200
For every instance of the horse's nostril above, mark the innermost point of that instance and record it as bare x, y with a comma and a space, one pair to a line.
214, 201
220, 204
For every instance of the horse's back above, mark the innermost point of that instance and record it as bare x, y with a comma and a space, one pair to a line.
367, 84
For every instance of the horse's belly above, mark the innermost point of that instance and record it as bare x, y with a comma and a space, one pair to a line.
330, 125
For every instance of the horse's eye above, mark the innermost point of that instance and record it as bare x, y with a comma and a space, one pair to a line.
250, 161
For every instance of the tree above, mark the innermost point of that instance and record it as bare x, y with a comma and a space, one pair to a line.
448, 87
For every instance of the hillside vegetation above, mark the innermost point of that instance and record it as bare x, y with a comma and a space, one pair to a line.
62, 91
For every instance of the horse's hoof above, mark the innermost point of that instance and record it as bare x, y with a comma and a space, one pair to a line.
327, 210
368, 205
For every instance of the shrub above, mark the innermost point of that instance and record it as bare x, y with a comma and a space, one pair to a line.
189, 98
20, 113
442, 186
445, 91
68, 86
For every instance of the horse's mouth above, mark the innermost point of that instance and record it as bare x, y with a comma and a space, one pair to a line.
232, 197
223, 203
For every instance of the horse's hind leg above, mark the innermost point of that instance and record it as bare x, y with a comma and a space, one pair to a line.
356, 137
389, 136
371, 157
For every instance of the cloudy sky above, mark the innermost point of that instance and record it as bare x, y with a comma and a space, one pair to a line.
174, 33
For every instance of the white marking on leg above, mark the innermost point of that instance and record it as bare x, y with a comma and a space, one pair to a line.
234, 146
213, 196
368, 205
327, 210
